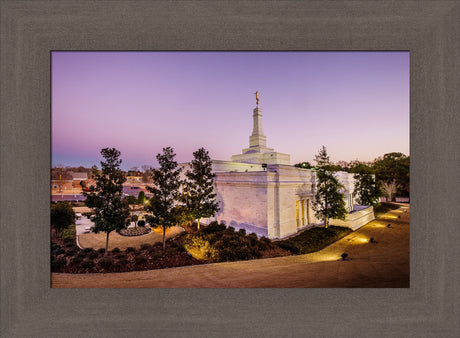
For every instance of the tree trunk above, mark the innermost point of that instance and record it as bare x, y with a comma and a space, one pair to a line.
164, 236
198, 224
107, 243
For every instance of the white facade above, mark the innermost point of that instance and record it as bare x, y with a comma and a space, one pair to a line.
259, 191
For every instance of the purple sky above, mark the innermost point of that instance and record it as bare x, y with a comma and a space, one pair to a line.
354, 103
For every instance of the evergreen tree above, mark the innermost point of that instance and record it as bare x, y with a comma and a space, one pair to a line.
365, 185
198, 191
141, 197
329, 200
62, 215
105, 197
162, 206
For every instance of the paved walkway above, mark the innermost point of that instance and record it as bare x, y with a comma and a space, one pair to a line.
97, 241
383, 264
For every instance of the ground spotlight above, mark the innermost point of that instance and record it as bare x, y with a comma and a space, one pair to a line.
388, 225
344, 256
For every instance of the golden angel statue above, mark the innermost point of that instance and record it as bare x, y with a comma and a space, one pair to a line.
257, 97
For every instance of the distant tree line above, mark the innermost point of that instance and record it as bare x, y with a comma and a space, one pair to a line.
392, 172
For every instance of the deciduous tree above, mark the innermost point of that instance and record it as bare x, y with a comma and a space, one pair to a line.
389, 188
394, 166
105, 197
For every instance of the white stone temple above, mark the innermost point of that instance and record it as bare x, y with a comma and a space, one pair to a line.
259, 191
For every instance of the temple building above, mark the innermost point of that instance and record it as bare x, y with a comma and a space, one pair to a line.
259, 191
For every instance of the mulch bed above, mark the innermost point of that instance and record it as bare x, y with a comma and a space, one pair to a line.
147, 258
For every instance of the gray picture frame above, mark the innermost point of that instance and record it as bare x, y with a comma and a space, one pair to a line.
31, 29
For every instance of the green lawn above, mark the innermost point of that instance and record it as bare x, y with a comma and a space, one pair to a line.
383, 208
313, 240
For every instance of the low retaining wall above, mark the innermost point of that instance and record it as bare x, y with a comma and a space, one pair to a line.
356, 219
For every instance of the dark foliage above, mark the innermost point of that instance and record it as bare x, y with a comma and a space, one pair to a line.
105, 197
313, 240
87, 263
217, 243
57, 262
140, 259
105, 262
76, 260
62, 215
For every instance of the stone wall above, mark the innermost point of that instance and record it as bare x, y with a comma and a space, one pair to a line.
242, 200
356, 219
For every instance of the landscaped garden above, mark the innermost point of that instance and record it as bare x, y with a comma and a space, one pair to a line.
314, 239
211, 244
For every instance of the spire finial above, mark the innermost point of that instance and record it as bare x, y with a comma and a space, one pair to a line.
257, 97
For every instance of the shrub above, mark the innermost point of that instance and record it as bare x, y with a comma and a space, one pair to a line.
242, 232
141, 223
71, 251
69, 244
213, 227
81, 254
87, 263
105, 262
290, 246
313, 240
57, 263
54, 246
62, 215
230, 230
88, 250
122, 262
92, 255
131, 199
232, 248
69, 240
121, 255
101, 251
130, 249
116, 250
68, 233
76, 260
140, 259
146, 246
57, 252
199, 246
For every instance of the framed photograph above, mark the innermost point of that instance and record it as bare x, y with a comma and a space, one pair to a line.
152, 148
31, 31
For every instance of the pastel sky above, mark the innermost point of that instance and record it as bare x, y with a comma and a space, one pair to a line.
354, 103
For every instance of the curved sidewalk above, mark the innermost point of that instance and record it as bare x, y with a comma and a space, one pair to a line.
383, 264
